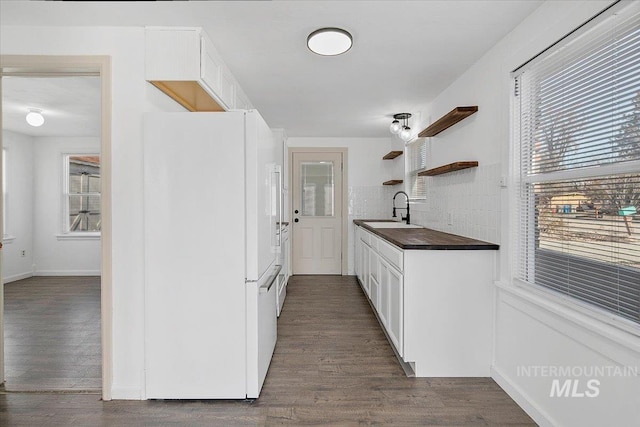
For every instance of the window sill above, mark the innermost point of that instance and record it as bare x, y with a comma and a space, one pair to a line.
622, 331
8, 239
78, 236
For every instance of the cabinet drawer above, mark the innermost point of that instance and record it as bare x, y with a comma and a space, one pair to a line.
365, 237
374, 242
391, 254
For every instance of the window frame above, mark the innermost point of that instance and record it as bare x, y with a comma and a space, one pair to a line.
66, 233
410, 172
582, 309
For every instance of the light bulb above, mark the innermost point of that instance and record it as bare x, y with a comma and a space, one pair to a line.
35, 118
405, 133
395, 127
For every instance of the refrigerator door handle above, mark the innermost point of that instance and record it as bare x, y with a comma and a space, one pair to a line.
278, 171
267, 286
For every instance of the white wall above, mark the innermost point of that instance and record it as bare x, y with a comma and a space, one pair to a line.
131, 97
20, 207
52, 255
367, 197
529, 330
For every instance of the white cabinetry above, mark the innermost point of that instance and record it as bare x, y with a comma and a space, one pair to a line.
283, 277
435, 305
184, 64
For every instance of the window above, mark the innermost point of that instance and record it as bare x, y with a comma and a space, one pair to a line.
416, 162
82, 193
4, 194
577, 117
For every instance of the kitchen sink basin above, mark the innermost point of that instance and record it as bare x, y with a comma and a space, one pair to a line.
391, 225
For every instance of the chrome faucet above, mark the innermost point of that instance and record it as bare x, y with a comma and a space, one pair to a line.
407, 218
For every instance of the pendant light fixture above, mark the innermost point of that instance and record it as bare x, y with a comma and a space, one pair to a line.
35, 117
329, 41
400, 126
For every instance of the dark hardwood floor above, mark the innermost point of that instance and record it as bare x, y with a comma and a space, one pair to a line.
52, 334
332, 366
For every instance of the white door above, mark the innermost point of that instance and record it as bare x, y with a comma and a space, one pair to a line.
317, 213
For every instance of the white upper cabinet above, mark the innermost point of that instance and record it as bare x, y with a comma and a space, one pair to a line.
184, 64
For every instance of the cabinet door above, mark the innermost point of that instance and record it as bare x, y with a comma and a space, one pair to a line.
395, 320
211, 65
374, 277
383, 293
357, 256
364, 255
172, 54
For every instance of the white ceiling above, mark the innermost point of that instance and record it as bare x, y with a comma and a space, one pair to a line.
70, 105
404, 53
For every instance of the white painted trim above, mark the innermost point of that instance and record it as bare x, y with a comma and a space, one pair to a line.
66, 273
101, 64
64, 193
345, 190
539, 415
626, 338
78, 236
126, 393
17, 277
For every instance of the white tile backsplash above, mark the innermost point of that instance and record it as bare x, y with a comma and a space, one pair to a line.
471, 196
371, 201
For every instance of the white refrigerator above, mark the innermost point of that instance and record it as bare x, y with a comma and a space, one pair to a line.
212, 211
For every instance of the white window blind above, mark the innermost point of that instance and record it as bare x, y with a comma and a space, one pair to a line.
577, 120
416, 162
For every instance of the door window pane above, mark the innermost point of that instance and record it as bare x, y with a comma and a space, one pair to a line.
317, 188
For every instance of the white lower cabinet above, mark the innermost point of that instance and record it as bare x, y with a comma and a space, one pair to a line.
374, 277
395, 320
383, 293
435, 305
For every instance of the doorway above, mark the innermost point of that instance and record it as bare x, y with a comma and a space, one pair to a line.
318, 210
81, 214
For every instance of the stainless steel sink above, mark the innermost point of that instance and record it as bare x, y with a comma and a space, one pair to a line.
391, 225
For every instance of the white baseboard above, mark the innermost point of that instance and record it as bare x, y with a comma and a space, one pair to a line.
539, 415
15, 277
126, 393
67, 273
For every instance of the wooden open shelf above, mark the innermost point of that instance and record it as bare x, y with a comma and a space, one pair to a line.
393, 182
448, 120
392, 155
451, 167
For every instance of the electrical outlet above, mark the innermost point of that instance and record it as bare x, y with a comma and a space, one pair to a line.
23, 253
449, 218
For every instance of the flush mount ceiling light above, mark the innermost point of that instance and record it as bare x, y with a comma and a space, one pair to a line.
400, 126
35, 117
329, 41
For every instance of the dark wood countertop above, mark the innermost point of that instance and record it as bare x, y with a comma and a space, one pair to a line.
424, 238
